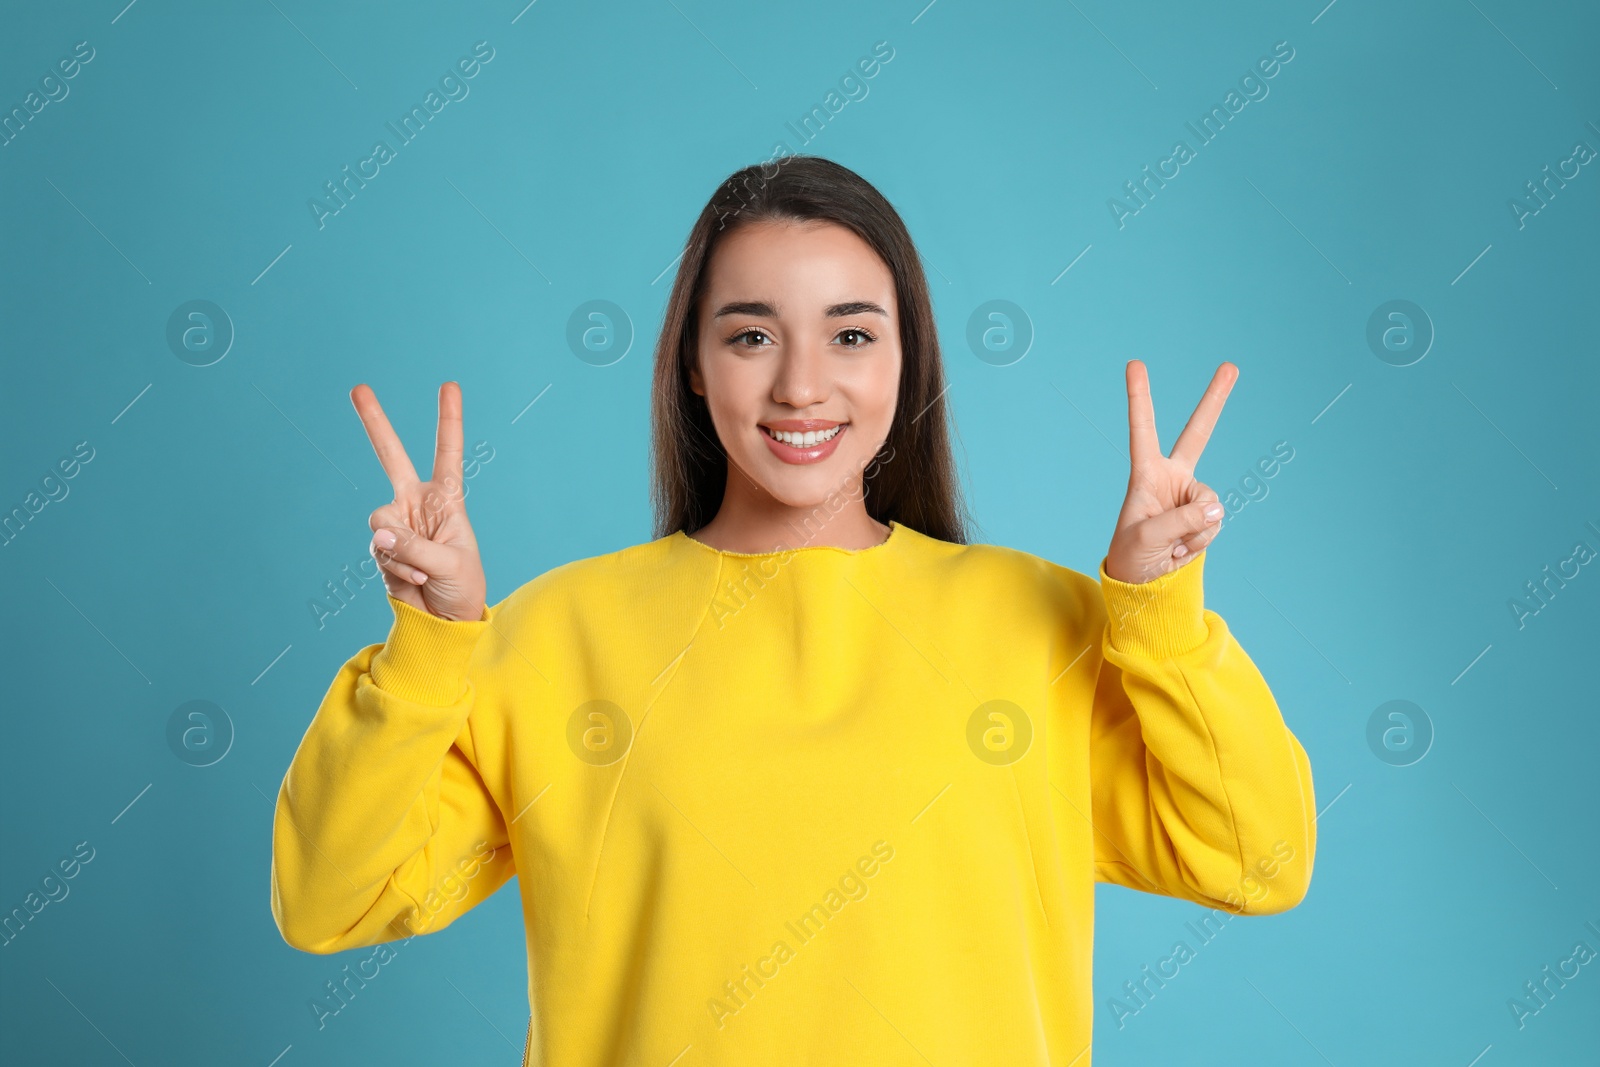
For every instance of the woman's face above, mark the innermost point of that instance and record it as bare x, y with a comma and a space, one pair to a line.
799, 338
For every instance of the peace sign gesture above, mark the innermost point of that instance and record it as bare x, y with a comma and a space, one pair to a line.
1169, 517
422, 540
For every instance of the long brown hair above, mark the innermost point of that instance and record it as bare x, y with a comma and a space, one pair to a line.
913, 479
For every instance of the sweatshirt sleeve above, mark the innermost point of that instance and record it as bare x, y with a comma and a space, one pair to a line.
1199, 789
383, 827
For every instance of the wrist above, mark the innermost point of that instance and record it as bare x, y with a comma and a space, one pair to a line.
425, 658
1159, 618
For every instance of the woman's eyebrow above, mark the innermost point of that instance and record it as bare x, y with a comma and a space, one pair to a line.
855, 307
764, 309
758, 308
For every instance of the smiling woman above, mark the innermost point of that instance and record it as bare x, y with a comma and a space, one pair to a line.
813, 355
674, 744
800, 324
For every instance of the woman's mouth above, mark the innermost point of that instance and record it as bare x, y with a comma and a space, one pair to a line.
808, 446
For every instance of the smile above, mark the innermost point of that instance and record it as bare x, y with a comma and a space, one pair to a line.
810, 446
804, 440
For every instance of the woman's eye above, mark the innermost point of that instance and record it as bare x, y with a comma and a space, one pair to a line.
754, 338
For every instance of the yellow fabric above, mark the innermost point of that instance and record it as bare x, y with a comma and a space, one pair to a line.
809, 850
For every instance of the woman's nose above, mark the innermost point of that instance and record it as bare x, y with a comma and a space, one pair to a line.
802, 377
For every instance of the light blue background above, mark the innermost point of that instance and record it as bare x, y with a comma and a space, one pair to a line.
1378, 565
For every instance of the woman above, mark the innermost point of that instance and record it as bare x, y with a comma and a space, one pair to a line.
806, 779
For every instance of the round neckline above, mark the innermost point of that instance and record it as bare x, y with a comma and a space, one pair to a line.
894, 535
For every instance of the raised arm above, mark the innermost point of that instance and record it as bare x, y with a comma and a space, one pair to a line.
383, 826
1200, 790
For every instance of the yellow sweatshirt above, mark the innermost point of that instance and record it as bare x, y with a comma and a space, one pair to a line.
819, 806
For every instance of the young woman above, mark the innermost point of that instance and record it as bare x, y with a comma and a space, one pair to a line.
807, 779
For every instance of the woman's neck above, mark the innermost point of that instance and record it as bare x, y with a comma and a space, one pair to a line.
780, 526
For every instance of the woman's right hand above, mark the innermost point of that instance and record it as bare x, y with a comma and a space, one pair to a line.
422, 540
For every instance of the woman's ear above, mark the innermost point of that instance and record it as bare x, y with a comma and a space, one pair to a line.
694, 379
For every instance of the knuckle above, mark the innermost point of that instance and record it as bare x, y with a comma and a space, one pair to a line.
387, 515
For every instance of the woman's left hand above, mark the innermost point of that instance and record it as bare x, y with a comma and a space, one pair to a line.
1169, 516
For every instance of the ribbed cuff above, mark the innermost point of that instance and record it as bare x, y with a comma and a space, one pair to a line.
425, 658
1161, 618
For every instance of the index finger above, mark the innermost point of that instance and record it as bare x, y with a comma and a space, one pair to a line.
1198, 429
391, 453
447, 446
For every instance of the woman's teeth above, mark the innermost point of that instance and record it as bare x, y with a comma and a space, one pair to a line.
807, 439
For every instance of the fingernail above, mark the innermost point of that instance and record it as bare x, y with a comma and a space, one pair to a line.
1214, 511
1180, 552
384, 539
419, 575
